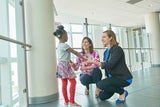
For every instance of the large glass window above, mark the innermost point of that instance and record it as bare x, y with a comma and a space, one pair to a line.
76, 28
76, 39
0, 88
12, 20
141, 48
14, 78
134, 41
12, 66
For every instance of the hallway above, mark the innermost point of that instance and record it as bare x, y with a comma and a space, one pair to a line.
144, 92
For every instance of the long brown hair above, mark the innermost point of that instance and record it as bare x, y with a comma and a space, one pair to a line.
90, 42
110, 34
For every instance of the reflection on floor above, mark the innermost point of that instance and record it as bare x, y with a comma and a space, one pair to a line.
144, 92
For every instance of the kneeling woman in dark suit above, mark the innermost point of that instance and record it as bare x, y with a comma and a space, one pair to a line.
117, 73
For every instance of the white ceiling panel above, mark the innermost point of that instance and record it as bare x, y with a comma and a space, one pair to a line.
116, 12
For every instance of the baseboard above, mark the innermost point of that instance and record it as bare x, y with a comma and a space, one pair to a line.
44, 99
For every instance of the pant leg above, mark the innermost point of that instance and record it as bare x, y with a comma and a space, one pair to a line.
85, 80
112, 85
104, 95
96, 75
72, 89
64, 90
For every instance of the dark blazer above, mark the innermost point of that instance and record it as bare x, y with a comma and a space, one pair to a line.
116, 64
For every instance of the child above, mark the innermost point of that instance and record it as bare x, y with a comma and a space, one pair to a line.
64, 70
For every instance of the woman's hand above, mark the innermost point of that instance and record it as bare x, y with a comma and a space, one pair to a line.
87, 68
85, 59
73, 65
90, 61
94, 62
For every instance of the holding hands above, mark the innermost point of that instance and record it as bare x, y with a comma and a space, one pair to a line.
94, 62
87, 64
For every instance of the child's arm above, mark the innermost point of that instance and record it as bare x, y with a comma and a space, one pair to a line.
76, 53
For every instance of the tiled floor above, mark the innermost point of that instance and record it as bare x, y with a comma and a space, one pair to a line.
144, 92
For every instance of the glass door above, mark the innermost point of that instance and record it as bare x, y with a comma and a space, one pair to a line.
142, 48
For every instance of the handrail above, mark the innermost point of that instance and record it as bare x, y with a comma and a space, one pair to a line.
14, 41
122, 48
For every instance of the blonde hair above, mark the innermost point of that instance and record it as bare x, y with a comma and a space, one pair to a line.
110, 34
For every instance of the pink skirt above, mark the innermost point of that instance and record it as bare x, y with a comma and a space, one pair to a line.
64, 70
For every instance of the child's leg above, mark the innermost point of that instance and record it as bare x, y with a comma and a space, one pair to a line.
64, 90
72, 93
72, 90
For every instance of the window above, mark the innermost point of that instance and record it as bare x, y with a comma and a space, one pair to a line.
76, 28
76, 40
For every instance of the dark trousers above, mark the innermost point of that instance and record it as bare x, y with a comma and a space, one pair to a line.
94, 78
111, 85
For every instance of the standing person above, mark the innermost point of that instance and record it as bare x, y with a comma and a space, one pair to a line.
64, 70
116, 70
90, 73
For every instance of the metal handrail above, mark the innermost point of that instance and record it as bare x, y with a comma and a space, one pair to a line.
122, 48
14, 41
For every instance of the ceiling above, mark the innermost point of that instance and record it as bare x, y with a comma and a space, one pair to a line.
115, 12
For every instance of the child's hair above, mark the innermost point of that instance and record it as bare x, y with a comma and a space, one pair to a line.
59, 31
